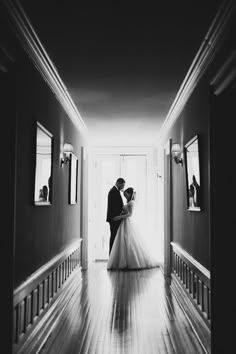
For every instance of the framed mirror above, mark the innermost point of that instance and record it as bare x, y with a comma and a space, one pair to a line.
192, 165
43, 167
73, 179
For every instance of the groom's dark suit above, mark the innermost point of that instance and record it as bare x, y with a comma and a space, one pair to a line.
114, 208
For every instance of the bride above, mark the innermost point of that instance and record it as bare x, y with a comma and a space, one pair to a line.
128, 250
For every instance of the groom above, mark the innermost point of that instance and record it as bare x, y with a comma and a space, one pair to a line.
114, 208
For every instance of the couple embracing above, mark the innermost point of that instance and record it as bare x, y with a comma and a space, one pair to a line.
127, 249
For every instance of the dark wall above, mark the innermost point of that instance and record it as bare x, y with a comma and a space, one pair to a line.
191, 228
8, 141
41, 231
223, 225
223, 113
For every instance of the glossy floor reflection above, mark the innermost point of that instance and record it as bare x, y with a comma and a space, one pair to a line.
122, 312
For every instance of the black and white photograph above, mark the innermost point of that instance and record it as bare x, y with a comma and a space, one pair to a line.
192, 163
43, 166
118, 121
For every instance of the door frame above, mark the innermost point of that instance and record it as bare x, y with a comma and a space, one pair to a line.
84, 207
168, 208
117, 150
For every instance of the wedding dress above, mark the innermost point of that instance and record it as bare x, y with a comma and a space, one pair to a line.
129, 250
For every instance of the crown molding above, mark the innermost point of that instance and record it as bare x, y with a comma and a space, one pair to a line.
202, 59
34, 48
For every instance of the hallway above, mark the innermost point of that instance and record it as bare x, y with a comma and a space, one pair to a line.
122, 312
129, 83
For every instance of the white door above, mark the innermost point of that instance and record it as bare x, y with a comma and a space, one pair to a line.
134, 170
107, 168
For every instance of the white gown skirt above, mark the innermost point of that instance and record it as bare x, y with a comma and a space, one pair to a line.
129, 250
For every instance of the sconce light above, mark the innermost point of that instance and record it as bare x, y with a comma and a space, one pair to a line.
176, 154
67, 151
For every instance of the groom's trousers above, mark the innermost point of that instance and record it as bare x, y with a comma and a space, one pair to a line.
114, 225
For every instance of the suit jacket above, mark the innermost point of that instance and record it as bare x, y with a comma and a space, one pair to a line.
114, 204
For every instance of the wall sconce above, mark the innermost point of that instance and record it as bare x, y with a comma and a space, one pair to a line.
176, 154
67, 151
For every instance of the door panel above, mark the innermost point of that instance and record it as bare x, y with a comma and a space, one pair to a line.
134, 170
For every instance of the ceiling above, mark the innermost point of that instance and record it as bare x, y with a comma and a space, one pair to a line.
122, 65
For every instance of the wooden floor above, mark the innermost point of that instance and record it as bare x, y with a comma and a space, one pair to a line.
122, 312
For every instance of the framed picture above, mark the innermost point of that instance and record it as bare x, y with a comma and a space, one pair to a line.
192, 165
43, 167
73, 179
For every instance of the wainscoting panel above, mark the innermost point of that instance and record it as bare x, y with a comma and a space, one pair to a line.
194, 278
190, 284
35, 296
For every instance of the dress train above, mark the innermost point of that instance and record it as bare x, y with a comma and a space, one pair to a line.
129, 250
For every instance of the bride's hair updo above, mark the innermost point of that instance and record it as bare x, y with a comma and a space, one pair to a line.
132, 193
